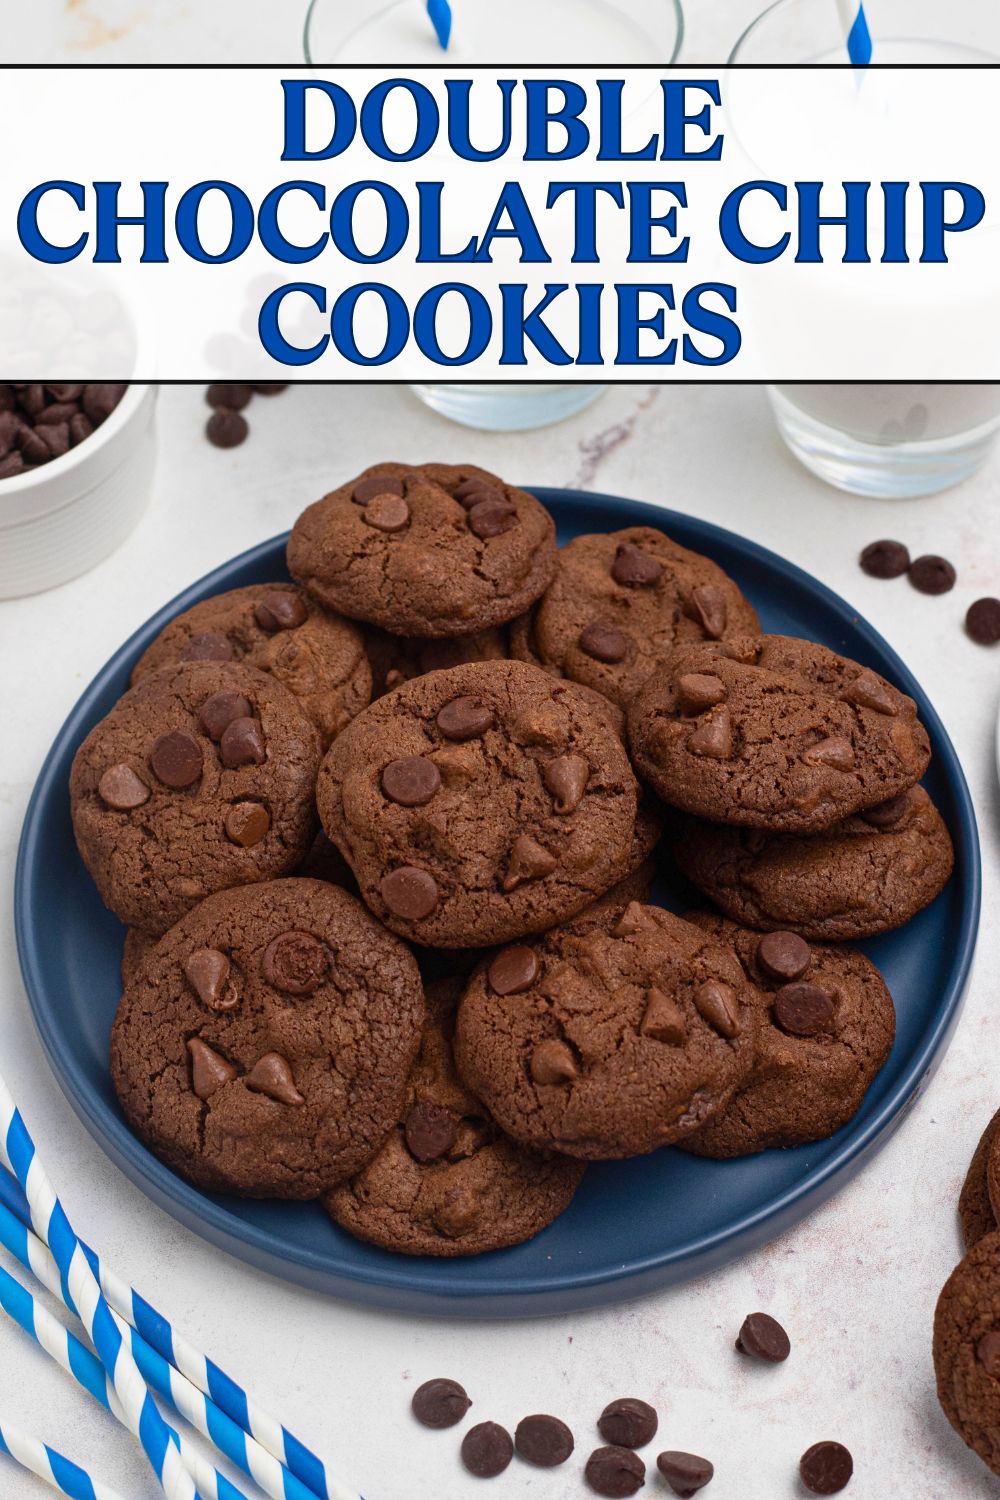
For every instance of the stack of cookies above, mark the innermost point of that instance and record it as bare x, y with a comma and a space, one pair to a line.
433, 1013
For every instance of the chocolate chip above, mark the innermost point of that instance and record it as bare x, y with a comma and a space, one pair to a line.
628, 1423
12, 465
472, 492
887, 814
932, 575
983, 622
487, 1450
635, 568
209, 1071
63, 393
280, 611
176, 759
410, 893
439, 1404
220, 710
380, 484
885, 559
412, 782
80, 427
615, 1472
513, 971
229, 397
711, 609
247, 823
714, 738
226, 429
490, 518
553, 1063
100, 399
34, 448
835, 752
458, 1213
529, 860
783, 955
803, 1009
56, 438
121, 789
272, 1076
566, 778
663, 1019
605, 643
270, 387
387, 513
988, 1354
869, 691
697, 692
207, 972
716, 1003
430, 1130
685, 1473
464, 719
762, 1337
543, 1441
826, 1468
295, 962
242, 744
209, 646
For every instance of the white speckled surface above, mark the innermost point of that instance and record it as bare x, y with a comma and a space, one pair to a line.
856, 1284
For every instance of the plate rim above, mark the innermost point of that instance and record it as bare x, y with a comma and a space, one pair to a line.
393, 1287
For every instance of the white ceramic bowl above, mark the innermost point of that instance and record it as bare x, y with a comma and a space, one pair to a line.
65, 516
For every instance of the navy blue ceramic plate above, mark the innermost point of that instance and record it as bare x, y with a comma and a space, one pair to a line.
635, 1226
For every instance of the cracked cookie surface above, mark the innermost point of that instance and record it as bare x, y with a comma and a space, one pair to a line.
425, 550
478, 804
607, 1043
967, 1349
774, 732
275, 627
263, 1047
200, 778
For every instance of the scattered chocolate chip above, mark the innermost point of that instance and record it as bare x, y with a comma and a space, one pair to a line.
553, 1063
711, 609
219, 711
615, 1472
387, 513
295, 962
229, 397
207, 972
226, 429
464, 719
209, 1071
209, 646
635, 568
663, 1019
366, 489
490, 518
826, 1468
762, 1337
988, 1354
122, 789
932, 575
410, 893
783, 955
714, 738
242, 744
412, 782
280, 611
513, 971
685, 1473
566, 778
272, 1076
887, 814
439, 1404
487, 1449
543, 1441
885, 559
176, 759
803, 1009
628, 1423
837, 752
716, 1003
270, 388
697, 692
983, 622
430, 1130
605, 643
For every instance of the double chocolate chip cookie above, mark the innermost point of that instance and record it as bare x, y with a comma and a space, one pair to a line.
607, 1043
867, 874
397, 659
480, 804
975, 1205
263, 1046
967, 1349
278, 629
774, 732
621, 602
446, 1182
428, 551
825, 1025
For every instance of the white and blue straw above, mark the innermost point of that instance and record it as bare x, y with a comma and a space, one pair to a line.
859, 39
440, 14
68, 1478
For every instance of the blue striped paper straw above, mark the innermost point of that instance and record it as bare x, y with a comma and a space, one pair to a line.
440, 14
66, 1477
859, 40
202, 1372
86, 1369
83, 1294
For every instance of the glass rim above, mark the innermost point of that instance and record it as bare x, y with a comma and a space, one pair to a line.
747, 32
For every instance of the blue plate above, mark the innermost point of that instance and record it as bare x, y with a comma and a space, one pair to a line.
635, 1226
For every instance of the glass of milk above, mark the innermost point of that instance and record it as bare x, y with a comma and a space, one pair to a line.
563, 33
883, 440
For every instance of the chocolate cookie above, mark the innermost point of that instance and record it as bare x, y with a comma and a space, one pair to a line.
199, 779
432, 550
825, 1026
967, 1349
621, 602
776, 733
869, 873
975, 1209
276, 628
138, 945
264, 1046
606, 1044
479, 804
397, 659
446, 1182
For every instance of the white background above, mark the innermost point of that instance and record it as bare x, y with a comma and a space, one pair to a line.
855, 1285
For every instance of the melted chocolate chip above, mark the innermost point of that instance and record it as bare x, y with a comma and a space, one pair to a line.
176, 759
409, 893
247, 823
209, 1070
412, 782
716, 1003
605, 643
218, 712
491, 518
887, 814
209, 646
295, 962
207, 972
242, 744
513, 971
272, 1076
280, 611
430, 1130
635, 568
464, 719
566, 778
387, 513
380, 484
803, 1009
121, 789
783, 955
